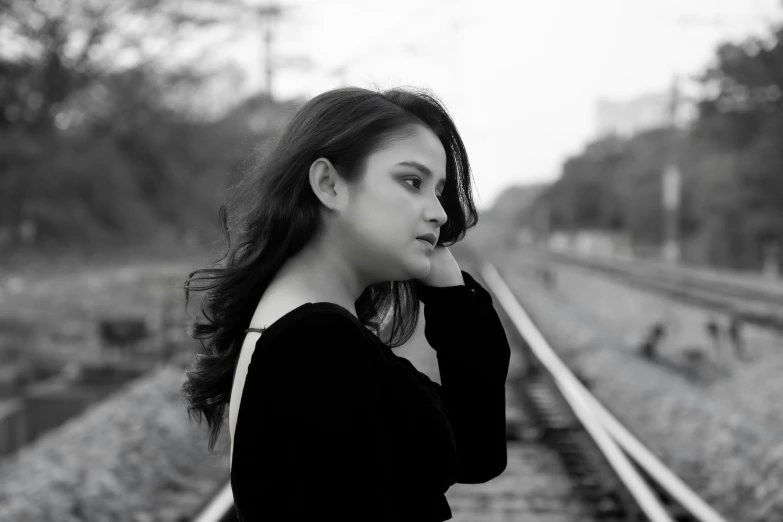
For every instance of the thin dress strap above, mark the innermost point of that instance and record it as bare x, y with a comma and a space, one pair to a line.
259, 330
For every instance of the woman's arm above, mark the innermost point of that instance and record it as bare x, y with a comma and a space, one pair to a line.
473, 353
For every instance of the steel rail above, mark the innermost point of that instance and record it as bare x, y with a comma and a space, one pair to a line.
566, 381
585, 406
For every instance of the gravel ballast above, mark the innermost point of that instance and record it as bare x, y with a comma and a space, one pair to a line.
134, 457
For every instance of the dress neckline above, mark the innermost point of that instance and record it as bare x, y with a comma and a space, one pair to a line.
296, 311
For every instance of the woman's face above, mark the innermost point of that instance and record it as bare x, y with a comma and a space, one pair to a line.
396, 201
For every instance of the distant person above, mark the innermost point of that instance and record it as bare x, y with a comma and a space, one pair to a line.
333, 240
736, 338
713, 331
651, 341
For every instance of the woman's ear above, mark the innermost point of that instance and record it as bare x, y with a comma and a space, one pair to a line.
327, 185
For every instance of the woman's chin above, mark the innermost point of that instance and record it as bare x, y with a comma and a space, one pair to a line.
421, 269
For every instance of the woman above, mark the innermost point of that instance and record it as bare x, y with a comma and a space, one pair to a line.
336, 236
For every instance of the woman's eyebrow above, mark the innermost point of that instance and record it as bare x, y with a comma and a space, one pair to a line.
425, 171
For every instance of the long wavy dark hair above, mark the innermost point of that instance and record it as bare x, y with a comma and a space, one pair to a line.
272, 213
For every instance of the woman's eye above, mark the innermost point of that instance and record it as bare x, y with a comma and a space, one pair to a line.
416, 180
417, 185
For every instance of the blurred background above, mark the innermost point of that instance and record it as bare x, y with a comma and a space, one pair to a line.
123, 122
613, 130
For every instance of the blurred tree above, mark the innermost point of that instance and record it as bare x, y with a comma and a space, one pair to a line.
731, 159
585, 195
68, 46
101, 140
743, 115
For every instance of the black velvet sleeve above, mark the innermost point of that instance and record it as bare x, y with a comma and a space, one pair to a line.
344, 458
473, 353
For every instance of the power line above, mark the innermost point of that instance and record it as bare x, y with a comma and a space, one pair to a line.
390, 37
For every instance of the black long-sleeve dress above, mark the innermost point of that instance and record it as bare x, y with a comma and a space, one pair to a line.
333, 425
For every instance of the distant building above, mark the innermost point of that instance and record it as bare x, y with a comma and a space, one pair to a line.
625, 118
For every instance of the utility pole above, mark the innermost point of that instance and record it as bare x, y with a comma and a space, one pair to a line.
268, 14
672, 183
671, 176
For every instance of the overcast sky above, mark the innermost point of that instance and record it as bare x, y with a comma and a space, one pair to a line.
520, 78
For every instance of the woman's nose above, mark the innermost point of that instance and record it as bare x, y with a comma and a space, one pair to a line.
436, 213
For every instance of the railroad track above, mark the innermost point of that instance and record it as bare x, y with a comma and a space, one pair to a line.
615, 472
619, 478
753, 301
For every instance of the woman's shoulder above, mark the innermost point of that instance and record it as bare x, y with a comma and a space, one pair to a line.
317, 339
315, 325
308, 313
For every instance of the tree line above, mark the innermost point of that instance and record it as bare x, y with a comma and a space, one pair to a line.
730, 157
105, 137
